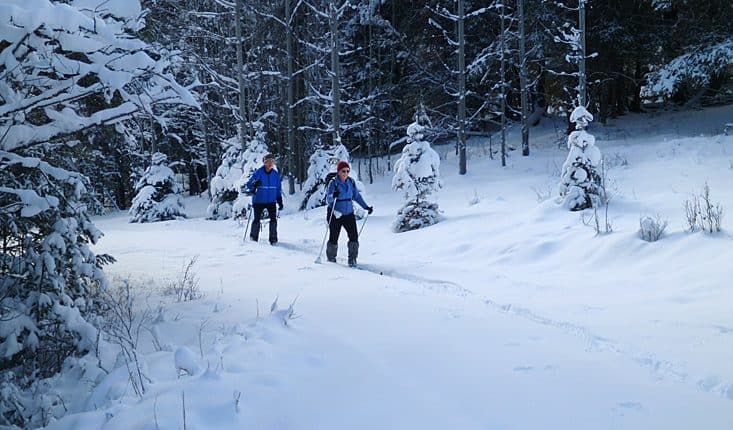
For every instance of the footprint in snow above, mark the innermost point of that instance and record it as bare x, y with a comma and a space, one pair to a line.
622, 408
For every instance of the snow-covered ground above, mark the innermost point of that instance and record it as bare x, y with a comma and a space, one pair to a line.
509, 314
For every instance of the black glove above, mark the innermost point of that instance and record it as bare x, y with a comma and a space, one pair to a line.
280, 205
256, 184
335, 192
370, 209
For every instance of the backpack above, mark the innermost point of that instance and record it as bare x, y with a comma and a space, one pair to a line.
332, 175
329, 178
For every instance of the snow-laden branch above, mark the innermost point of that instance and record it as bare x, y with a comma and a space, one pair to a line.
696, 67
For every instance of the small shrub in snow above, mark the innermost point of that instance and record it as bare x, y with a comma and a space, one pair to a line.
702, 213
652, 229
616, 159
417, 175
283, 315
158, 194
543, 192
692, 210
580, 182
124, 321
475, 199
186, 287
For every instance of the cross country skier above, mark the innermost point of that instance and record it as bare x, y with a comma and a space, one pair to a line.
342, 190
266, 185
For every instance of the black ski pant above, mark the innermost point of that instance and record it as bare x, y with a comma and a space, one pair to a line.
346, 221
258, 208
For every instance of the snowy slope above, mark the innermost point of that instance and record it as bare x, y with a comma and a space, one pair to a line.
509, 314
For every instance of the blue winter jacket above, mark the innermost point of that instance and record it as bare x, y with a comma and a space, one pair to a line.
270, 189
347, 193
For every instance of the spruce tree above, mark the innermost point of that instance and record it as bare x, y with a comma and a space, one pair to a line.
580, 181
158, 194
251, 160
417, 175
321, 163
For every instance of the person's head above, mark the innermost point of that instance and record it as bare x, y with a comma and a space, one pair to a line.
343, 169
269, 161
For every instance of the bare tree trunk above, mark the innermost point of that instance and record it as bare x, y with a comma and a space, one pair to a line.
243, 117
289, 107
207, 148
371, 103
503, 87
583, 94
461, 90
523, 78
335, 75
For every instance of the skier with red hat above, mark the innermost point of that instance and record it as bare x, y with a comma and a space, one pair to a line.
340, 194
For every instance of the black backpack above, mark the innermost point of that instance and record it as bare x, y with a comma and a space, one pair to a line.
329, 178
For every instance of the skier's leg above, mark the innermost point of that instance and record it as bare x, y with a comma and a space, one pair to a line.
255, 232
273, 223
332, 246
350, 226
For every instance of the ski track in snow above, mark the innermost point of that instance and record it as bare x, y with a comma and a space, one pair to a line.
665, 370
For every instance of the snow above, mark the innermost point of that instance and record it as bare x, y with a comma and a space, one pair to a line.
509, 314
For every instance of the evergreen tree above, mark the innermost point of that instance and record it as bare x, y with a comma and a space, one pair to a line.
580, 181
322, 162
417, 175
228, 199
71, 76
224, 185
49, 280
693, 71
252, 159
158, 194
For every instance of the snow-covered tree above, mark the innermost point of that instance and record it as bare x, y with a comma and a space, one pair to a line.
580, 182
236, 167
48, 279
224, 189
693, 70
67, 68
417, 175
158, 195
321, 163
252, 159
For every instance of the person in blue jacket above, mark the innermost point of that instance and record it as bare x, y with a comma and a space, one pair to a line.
266, 187
340, 193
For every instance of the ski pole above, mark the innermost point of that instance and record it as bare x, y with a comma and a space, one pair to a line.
363, 223
246, 227
323, 244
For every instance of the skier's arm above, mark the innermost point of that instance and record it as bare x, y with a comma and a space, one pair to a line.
329, 192
359, 199
251, 182
279, 192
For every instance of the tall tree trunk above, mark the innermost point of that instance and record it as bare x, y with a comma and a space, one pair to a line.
523, 79
370, 85
503, 87
461, 90
583, 93
290, 98
335, 74
243, 116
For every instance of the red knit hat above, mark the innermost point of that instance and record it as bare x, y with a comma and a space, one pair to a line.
342, 165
